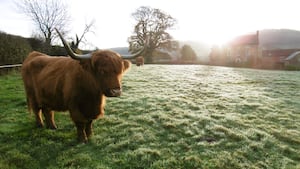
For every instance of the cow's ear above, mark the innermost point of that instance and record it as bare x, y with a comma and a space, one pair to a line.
126, 64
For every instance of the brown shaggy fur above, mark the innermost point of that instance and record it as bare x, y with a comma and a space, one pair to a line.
61, 84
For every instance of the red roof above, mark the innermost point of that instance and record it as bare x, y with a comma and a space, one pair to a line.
245, 40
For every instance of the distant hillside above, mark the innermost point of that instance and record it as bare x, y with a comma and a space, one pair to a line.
202, 50
279, 39
121, 50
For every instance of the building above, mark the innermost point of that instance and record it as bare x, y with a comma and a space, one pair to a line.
292, 61
244, 50
276, 58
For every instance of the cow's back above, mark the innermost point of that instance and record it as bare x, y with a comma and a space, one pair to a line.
45, 77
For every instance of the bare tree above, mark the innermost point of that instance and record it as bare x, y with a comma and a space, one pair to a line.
46, 15
88, 29
151, 29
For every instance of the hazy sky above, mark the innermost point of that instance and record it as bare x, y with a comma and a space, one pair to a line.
211, 21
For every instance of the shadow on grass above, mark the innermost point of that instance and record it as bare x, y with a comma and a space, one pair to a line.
31, 147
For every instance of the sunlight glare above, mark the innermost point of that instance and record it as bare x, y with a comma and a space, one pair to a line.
219, 39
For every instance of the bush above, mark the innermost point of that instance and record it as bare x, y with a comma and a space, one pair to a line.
36, 44
292, 67
57, 51
188, 54
13, 49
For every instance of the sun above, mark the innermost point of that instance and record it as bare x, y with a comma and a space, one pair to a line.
209, 37
219, 39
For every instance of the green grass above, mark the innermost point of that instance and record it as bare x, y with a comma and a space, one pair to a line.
168, 117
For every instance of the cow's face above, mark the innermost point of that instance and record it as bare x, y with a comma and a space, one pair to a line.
108, 68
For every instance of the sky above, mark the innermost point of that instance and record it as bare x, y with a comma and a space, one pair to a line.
207, 21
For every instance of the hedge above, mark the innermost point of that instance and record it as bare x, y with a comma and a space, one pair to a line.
13, 49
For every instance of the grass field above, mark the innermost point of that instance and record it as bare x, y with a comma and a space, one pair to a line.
184, 116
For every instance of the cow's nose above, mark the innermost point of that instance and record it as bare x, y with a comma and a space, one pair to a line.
115, 92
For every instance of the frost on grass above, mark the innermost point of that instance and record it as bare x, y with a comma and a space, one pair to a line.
218, 108
169, 116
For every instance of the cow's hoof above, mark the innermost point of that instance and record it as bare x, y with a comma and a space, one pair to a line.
83, 140
52, 127
39, 125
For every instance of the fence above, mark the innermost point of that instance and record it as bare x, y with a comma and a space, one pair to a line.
4, 69
10, 66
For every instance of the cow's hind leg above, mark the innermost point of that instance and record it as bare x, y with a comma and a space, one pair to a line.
49, 118
89, 129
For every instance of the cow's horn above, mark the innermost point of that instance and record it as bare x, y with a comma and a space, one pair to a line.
69, 50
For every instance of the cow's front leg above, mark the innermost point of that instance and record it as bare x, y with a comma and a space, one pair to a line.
81, 134
38, 118
49, 118
89, 128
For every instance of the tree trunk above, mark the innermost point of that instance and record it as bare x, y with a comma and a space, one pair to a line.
148, 56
